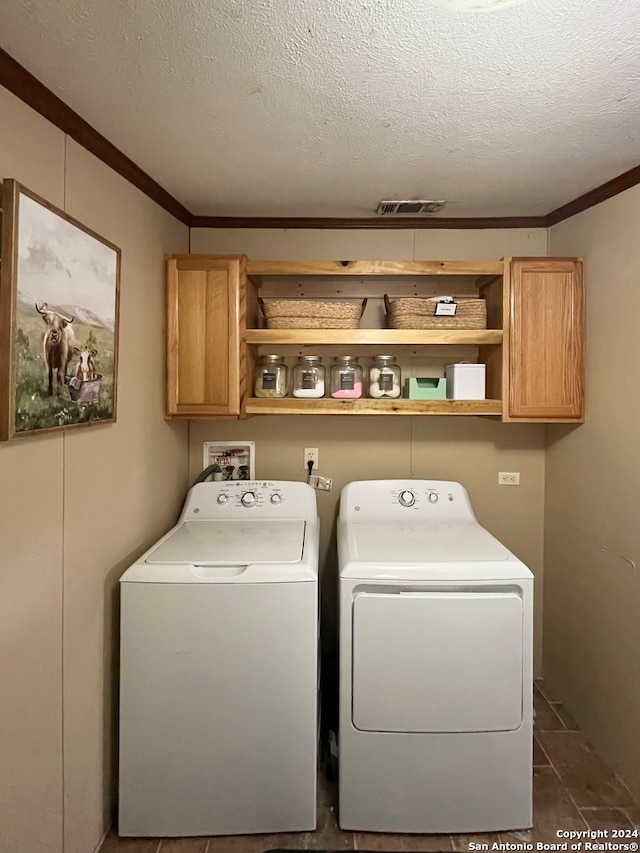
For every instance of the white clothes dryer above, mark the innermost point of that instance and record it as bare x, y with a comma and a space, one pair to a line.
435, 729
219, 667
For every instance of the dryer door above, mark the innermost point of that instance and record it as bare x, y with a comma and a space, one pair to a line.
437, 661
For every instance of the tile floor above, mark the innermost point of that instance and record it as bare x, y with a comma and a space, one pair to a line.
572, 789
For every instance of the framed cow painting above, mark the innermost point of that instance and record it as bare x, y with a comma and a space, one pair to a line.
59, 299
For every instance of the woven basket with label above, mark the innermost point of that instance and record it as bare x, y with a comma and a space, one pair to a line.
420, 313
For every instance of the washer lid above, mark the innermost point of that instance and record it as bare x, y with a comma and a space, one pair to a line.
434, 542
215, 543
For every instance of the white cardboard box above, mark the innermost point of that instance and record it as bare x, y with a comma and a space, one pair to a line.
465, 381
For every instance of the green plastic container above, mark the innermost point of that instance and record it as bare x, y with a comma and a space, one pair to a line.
425, 388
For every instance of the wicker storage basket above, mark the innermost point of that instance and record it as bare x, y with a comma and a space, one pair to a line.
415, 313
311, 314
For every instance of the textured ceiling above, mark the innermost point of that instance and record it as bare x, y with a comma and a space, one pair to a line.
323, 107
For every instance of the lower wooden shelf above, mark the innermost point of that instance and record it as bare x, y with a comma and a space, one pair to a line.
345, 337
329, 406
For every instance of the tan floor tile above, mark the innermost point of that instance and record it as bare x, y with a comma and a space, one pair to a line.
257, 843
585, 775
328, 835
327, 791
540, 757
114, 844
269, 849
546, 719
237, 844
553, 810
402, 843
565, 716
634, 816
461, 842
518, 836
184, 845
285, 840
606, 819
541, 685
326, 815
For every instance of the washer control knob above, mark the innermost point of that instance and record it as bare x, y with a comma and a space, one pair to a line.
407, 498
433, 498
276, 498
248, 499
223, 499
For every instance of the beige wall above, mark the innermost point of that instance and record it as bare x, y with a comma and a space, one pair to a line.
402, 245
592, 554
471, 450
75, 509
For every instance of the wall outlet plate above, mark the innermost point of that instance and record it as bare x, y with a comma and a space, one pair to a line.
311, 454
508, 478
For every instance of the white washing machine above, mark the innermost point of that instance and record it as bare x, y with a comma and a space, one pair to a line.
435, 665
219, 667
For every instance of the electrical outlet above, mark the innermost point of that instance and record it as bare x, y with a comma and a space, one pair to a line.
311, 455
509, 478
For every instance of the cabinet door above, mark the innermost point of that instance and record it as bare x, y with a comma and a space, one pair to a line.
546, 340
205, 334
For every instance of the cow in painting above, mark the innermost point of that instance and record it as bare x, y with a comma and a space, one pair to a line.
86, 369
57, 344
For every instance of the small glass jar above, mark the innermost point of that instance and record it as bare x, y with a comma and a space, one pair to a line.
308, 377
385, 377
271, 376
346, 378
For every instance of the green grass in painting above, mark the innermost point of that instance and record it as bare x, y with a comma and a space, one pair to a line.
34, 408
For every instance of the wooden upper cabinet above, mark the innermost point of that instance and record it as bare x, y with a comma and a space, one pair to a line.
545, 346
533, 349
205, 335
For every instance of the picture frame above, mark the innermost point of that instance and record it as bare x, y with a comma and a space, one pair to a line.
61, 373
235, 459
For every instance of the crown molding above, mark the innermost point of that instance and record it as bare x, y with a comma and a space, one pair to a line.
378, 223
35, 94
596, 196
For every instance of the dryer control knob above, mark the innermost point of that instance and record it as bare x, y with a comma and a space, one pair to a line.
433, 498
248, 499
407, 498
276, 498
223, 499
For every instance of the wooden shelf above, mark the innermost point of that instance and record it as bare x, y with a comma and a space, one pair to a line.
359, 268
329, 406
318, 337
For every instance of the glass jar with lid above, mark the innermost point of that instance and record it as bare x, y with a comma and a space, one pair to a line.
346, 378
308, 377
271, 376
385, 377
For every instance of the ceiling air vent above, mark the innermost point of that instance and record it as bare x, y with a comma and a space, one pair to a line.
413, 207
